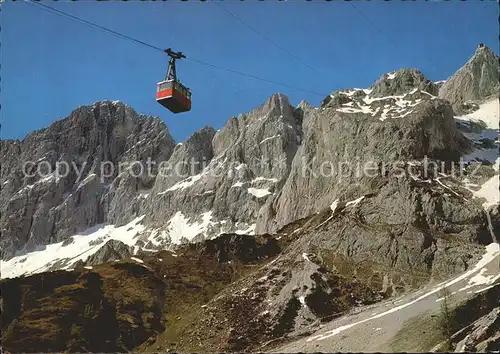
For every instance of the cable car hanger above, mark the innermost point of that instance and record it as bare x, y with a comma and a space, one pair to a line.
171, 73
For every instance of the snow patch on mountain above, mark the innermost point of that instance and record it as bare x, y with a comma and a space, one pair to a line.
250, 230
64, 254
489, 191
485, 139
481, 278
188, 182
392, 106
48, 179
258, 192
488, 112
180, 228
391, 75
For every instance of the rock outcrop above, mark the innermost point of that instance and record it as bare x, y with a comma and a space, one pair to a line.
475, 324
113, 250
483, 336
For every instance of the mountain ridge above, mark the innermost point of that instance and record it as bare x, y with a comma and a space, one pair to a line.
246, 141
257, 233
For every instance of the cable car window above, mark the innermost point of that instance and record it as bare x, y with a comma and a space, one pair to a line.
164, 86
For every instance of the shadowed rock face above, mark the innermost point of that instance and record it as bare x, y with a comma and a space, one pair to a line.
484, 336
494, 212
479, 78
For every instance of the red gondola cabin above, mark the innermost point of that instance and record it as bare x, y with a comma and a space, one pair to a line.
170, 93
173, 96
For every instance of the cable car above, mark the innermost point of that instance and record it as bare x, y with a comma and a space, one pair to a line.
170, 93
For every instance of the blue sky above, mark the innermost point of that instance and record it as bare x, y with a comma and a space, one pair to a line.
50, 64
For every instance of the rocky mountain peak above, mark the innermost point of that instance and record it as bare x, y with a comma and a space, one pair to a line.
304, 105
478, 79
187, 159
300, 113
61, 192
276, 105
202, 136
483, 49
402, 81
